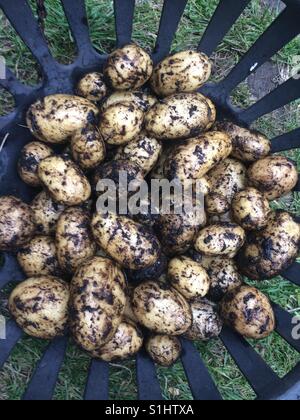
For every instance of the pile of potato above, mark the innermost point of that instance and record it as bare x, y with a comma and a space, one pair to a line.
116, 282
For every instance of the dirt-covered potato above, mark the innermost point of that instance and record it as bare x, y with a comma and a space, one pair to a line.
39, 257
224, 239
17, 224
144, 152
40, 306
161, 309
97, 303
64, 180
127, 341
158, 171
164, 350
248, 145
142, 99
128, 312
74, 241
249, 312
185, 71
88, 148
128, 68
250, 209
151, 273
180, 116
55, 118
269, 252
46, 213
207, 323
92, 87
193, 159
188, 277
275, 176
216, 203
127, 242
31, 155
121, 123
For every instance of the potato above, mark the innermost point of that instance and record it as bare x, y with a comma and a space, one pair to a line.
55, 118
161, 308
248, 145
74, 241
224, 239
127, 242
39, 257
207, 324
97, 304
217, 218
165, 350
92, 87
180, 116
216, 203
188, 277
128, 313
158, 170
250, 209
31, 155
249, 312
151, 273
64, 181
40, 306
144, 152
17, 225
128, 68
269, 252
185, 71
193, 159
126, 342
88, 148
142, 99
46, 212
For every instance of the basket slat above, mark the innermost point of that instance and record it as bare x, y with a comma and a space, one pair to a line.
13, 335
287, 25
170, 18
253, 367
12, 85
285, 326
97, 383
124, 13
293, 273
287, 141
11, 271
148, 384
201, 384
43, 381
224, 17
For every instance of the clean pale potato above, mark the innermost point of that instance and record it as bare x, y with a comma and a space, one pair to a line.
46, 213
142, 99
164, 350
55, 118
207, 324
88, 148
249, 312
92, 87
40, 306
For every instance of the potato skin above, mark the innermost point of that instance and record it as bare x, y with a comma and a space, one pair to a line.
31, 155
153, 272
74, 241
250, 209
269, 252
142, 99
92, 87
248, 145
126, 342
64, 180
188, 277
185, 71
224, 239
127, 242
88, 148
40, 306
207, 324
249, 312
164, 350
128, 68
54, 118
275, 176
161, 308
180, 116
216, 203
17, 225
39, 257
193, 159
97, 304
46, 213
121, 123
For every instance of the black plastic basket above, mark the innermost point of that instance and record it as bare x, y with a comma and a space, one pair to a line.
61, 78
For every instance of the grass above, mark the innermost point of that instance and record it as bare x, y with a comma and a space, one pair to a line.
253, 22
